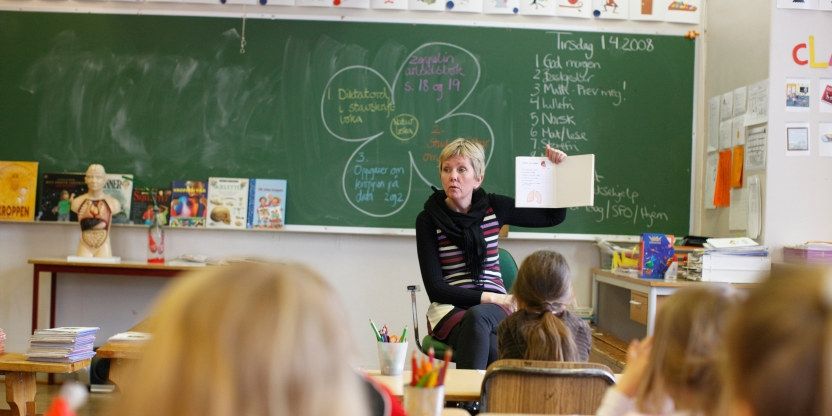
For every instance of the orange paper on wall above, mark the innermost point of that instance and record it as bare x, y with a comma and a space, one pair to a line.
737, 166
722, 190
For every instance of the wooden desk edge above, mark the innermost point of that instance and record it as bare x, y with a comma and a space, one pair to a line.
16, 362
43, 261
659, 282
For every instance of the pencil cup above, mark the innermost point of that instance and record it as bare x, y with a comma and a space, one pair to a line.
423, 401
391, 357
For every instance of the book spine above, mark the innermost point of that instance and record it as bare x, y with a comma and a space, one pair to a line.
252, 186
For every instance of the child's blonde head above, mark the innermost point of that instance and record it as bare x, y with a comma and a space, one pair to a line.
778, 347
688, 336
544, 289
250, 339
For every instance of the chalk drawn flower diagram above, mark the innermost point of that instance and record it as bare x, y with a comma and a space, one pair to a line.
384, 132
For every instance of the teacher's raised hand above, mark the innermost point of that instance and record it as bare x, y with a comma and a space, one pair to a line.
555, 156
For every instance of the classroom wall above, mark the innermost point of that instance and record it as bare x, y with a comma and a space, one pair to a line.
370, 272
797, 198
736, 54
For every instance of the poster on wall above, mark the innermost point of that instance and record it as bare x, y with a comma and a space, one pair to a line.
538, 7
647, 9
575, 8
612, 9
464, 6
500, 7
427, 5
825, 139
797, 139
798, 94
687, 11
825, 89
389, 4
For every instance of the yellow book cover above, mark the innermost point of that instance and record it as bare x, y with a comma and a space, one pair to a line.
18, 186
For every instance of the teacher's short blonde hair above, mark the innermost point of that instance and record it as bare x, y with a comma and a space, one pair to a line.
467, 148
250, 339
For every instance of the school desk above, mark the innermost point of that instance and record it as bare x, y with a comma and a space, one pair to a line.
125, 268
20, 379
625, 306
123, 354
454, 411
460, 385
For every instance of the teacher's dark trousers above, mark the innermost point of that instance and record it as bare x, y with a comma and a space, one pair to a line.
474, 339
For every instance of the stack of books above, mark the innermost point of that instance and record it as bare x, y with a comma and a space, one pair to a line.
130, 336
62, 345
815, 252
2, 341
734, 260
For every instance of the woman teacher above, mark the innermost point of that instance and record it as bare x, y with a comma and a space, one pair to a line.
458, 248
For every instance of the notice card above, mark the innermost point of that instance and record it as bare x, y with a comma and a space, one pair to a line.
540, 183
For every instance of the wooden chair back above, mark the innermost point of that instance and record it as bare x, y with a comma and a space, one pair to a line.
544, 387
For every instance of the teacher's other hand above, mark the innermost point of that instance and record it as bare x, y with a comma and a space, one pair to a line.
555, 156
506, 301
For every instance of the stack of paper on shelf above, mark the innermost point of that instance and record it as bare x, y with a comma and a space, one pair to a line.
816, 252
130, 336
2, 341
735, 260
62, 345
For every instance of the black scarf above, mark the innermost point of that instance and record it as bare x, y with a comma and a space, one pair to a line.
464, 230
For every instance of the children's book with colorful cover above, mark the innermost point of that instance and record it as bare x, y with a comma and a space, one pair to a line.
227, 202
656, 255
120, 187
18, 188
141, 210
188, 202
56, 193
266, 203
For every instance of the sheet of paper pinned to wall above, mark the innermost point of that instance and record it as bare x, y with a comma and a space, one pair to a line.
757, 106
754, 206
713, 123
710, 180
726, 106
739, 101
755, 148
725, 134
738, 213
540, 183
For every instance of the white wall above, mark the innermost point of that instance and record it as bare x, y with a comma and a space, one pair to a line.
369, 272
736, 54
797, 197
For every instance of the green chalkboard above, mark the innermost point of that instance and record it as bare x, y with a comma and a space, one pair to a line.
352, 114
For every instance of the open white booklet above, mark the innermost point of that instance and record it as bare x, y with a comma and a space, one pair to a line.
540, 183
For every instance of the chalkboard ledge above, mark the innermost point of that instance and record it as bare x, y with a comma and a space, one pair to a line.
326, 229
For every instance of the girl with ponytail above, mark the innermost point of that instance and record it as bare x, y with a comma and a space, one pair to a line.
543, 328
